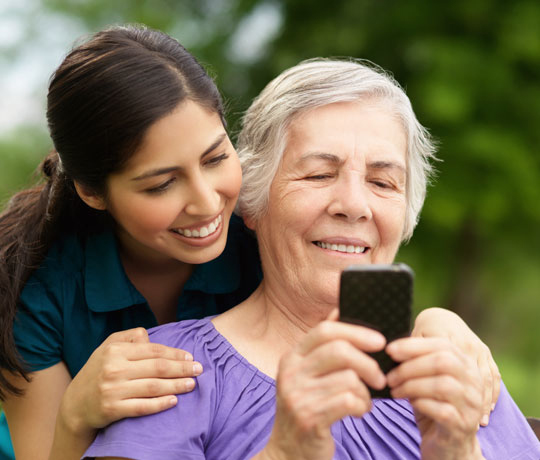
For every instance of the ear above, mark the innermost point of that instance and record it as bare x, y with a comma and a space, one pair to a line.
91, 198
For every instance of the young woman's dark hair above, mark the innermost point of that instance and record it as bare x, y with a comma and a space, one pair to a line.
102, 99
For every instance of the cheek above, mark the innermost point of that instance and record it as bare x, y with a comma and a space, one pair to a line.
147, 214
231, 179
391, 223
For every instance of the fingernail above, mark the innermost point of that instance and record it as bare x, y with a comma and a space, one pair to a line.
197, 369
492, 406
173, 400
188, 357
485, 420
190, 384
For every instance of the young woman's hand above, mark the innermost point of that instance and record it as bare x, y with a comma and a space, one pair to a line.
444, 387
126, 376
438, 322
320, 382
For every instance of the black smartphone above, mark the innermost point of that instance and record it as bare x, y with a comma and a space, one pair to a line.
379, 297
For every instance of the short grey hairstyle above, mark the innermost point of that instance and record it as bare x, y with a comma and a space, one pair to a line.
315, 83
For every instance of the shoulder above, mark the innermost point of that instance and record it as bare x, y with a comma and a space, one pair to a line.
508, 434
65, 256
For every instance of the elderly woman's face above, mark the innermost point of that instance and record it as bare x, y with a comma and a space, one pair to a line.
338, 197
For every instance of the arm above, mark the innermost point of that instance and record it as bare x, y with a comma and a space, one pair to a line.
444, 389
126, 376
319, 383
31, 417
438, 322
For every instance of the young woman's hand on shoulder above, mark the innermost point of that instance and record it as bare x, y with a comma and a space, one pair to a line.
126, 376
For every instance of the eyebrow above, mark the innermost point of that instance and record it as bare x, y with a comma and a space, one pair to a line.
161, 171
387, 165
330, 157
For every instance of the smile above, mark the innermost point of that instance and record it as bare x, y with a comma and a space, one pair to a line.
201, 232
349, 249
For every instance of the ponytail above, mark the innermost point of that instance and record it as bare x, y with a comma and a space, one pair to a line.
27, 225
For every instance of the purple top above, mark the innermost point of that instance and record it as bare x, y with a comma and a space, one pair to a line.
230, 415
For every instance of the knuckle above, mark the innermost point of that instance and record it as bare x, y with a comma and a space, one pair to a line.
444, 361
446, 413
324, 330
140, 333
110, 372
153, 387
155, 349
444, 387
161, 367
349, 402
108, 410
140, 408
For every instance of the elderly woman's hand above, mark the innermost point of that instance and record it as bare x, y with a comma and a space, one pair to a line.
438, 322
442, 384
320, 382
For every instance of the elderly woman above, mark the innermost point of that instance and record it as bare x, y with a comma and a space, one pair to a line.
283, 379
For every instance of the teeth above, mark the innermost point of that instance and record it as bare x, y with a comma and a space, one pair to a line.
350, 249
201, 232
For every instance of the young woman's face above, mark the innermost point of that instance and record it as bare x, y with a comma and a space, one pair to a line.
175, 197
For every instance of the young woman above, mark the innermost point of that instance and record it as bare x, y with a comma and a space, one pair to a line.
132, 228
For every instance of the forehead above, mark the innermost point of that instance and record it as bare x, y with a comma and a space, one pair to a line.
367, 128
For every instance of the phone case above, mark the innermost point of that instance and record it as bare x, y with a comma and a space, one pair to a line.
379, 297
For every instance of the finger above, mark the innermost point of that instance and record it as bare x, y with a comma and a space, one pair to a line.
341, 355
487, 388
141, 406
412, 347
441, 388
496, 383
333, 315
140, 351
334, 408
153, 387
361, 337
439, 362
162, 368
441, 412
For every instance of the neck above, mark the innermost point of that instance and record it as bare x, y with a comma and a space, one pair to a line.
159, 280
263, 328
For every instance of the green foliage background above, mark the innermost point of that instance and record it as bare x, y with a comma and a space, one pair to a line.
472, 71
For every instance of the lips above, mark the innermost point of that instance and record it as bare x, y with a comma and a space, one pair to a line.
200, 232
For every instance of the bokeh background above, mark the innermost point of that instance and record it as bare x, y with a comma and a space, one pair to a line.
471, 69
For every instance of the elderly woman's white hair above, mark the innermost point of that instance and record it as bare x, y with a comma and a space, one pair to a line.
315, 83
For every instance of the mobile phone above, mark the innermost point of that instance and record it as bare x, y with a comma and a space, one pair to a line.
378, 297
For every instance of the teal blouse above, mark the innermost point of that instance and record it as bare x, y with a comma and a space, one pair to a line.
81, 294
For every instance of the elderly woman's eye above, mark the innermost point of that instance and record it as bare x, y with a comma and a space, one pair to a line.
319, 177
381, 184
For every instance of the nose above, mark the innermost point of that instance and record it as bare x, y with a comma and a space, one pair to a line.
203, 198
351, 198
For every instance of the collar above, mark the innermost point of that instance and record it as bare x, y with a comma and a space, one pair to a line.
107, 287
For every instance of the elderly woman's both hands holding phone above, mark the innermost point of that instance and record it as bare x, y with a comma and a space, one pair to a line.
327, 376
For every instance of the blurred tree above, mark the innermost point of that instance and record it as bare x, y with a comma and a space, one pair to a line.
471, 70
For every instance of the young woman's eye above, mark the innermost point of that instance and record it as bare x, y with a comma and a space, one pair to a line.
217, 160
162, 187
